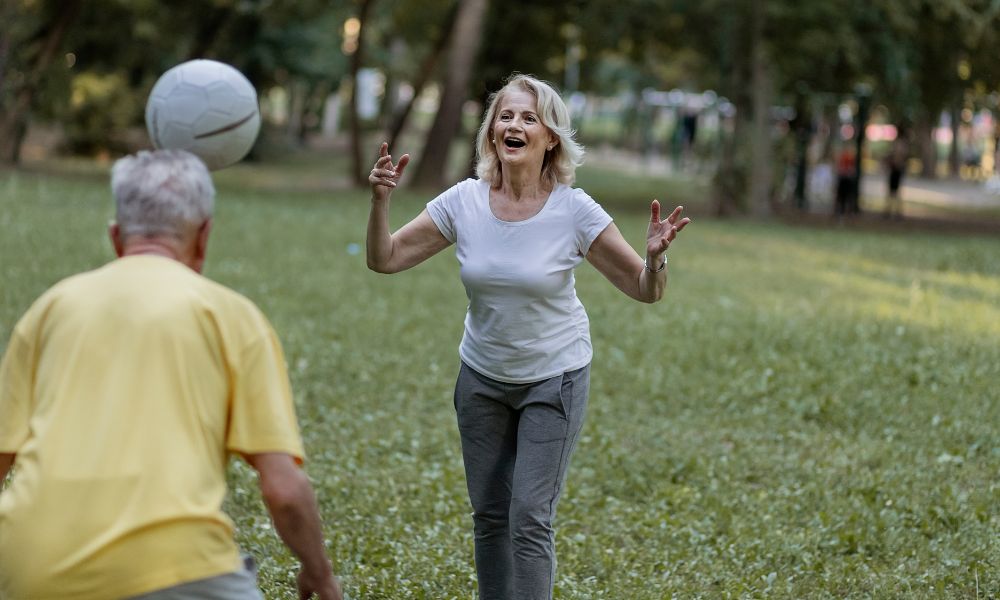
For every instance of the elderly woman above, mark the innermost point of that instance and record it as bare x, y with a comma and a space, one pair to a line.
520, 230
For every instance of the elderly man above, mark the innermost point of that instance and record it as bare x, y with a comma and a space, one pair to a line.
122, 393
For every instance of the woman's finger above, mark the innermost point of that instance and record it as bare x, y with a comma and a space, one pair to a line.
673, 215
403, 161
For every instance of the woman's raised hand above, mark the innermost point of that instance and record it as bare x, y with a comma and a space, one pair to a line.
661, 233
385, 175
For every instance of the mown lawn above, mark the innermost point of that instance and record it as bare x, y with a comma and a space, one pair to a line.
811, 413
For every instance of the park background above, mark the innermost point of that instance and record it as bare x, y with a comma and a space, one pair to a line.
813, 410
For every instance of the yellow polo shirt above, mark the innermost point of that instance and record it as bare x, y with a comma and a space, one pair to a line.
122, 392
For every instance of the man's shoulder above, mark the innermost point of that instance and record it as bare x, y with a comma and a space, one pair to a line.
235, 304
67, 287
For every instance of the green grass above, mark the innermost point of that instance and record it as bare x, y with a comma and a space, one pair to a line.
809, 414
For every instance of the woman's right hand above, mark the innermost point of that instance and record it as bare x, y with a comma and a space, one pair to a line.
385, 175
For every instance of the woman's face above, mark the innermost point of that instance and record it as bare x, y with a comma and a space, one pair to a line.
519, 137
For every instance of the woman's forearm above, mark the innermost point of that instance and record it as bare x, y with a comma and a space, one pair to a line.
379, 240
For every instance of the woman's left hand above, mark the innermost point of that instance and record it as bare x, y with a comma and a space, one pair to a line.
661, 233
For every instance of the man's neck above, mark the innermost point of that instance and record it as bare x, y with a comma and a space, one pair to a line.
159, 246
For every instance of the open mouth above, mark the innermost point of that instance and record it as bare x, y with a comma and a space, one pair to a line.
514, 143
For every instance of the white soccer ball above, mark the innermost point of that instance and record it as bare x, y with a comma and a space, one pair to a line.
207, 108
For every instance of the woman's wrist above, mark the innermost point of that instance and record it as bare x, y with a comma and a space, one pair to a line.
656, 265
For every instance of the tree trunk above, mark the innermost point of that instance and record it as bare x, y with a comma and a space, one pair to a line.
954, 152
357, 167
4, 47
14, 117
423, 76
729, 183
298, 91
729, 180
390, 98
760, 138
461, 56
923, 134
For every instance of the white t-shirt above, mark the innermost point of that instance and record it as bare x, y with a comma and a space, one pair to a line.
524, 322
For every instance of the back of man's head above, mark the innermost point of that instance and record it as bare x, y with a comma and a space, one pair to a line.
161, 193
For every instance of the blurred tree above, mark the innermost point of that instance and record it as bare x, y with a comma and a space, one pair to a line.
274, 42
935, 33
101, 107
357, 53
763, 52
462, 52
37, 30
919, 56
414, 27
292, 44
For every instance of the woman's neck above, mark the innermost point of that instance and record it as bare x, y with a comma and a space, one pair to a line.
518, 185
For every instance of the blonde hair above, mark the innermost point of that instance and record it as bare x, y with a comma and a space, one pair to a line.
561, 162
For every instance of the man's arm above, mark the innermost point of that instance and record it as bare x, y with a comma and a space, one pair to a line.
6, 460
292, 504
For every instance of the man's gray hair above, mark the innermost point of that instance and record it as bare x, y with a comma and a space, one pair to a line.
161, 192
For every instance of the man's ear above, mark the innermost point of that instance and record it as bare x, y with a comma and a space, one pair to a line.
201, 245
117, 241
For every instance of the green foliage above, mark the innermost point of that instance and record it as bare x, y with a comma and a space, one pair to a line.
809, 413
100, 109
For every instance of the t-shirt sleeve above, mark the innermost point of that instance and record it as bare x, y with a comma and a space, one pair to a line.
262, 413
590, 219
16, 371
443, 211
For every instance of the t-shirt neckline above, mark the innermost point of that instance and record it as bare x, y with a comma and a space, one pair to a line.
548, 201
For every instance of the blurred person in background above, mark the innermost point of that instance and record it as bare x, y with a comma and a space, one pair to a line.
123, 392
520, 230
844, 201
896, 161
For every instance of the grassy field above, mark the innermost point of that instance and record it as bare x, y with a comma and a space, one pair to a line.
811, 413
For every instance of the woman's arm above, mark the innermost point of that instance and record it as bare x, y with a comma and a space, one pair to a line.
415, 242
644, 281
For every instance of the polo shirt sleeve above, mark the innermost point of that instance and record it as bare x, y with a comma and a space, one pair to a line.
262, 412
15, 389
590, 219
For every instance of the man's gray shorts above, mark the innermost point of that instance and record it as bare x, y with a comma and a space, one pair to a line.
241, 585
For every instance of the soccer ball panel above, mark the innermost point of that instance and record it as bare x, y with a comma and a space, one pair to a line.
202, 73
185, 103
175, 135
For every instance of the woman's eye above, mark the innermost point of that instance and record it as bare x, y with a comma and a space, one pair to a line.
505, 117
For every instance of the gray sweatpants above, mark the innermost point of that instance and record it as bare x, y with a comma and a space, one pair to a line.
516, 443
